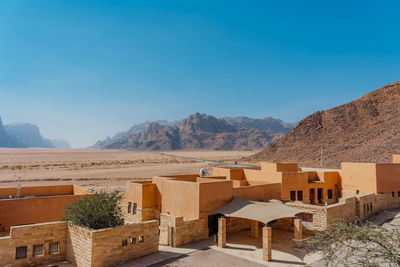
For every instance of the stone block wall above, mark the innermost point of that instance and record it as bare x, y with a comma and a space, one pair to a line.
79, 246
237, 224
30, 235
107, 247
175, 231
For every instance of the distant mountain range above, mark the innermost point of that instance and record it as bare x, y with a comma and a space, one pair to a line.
199, 131
365, 130
22, 135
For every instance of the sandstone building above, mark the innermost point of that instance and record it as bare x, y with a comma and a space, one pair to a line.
179, 209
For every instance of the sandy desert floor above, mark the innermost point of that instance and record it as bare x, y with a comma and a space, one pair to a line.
99, 168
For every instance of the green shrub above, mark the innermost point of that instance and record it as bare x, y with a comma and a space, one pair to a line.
96, 211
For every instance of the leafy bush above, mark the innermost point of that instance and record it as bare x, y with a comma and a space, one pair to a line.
96, 211
357, 244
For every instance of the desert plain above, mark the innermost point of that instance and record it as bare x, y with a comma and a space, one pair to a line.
100, 169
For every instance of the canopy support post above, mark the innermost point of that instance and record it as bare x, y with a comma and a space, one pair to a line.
298, 231
267, 243
221, 232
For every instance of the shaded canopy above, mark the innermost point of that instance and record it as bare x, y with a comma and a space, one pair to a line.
259, 211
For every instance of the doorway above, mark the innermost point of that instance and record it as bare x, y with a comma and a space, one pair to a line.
320, 196
312, 196
213, 224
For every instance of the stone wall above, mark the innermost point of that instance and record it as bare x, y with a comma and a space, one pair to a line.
107, 247
237, 224
30, 235
348, 209
175, 231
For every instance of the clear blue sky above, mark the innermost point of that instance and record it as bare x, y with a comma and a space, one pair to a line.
83, 70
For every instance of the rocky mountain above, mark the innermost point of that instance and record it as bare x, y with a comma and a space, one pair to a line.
6, 140
28, 134
200, 131
21, 135
365, 130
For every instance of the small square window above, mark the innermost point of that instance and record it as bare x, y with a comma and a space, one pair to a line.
141, 239
20, 253
132, 240
54, 248
392, 194
38, 250
124, 242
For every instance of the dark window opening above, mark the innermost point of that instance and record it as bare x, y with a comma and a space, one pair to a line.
392, 194
54, 248
38, 250
370, 206
398, 193
20, 253
330, 195
141, 239
134, 208
293, 195
132, 240
124, 242
300, 195
129, 207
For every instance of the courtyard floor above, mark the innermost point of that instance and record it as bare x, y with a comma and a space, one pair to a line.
241, 250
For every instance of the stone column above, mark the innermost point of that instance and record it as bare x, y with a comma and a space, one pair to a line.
221, 232
254, 229
267, 243
298, 231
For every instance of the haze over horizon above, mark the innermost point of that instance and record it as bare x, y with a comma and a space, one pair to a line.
87, 70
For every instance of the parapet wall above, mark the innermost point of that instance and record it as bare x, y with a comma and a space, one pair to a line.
80, 246
29, 235
175, 231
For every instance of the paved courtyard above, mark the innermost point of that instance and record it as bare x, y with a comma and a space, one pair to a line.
241, 250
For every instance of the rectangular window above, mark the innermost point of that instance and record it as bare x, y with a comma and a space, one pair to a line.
370, 206
134, 208
141, 239
132, 240
300, 195
54, 248
20, 253
38, 250
124, 242
293, 195
392, 194
398, 193
129, 207
330, 195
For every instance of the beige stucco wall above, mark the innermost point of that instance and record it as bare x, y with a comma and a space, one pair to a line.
261, 192
181, 198
388, 178
33, 210
359, 176
396, 158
